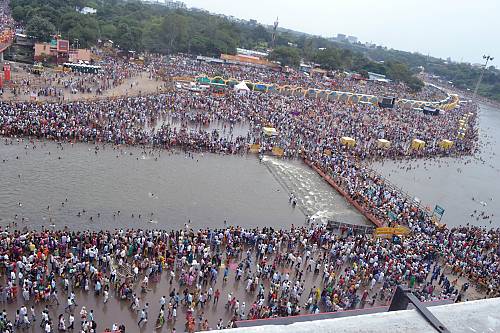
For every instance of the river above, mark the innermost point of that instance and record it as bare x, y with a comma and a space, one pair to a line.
462, 186
203, 190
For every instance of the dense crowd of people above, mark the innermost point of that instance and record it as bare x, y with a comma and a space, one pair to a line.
6, 20
182, 65
57, 85
306, 128
303, 124
284, 273
306, 269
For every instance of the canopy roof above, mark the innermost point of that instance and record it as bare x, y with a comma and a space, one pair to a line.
241, 86
271, 131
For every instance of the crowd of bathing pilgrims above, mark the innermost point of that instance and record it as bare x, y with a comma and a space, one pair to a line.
271, 264
306, 128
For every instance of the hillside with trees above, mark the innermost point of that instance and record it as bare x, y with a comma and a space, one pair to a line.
134, 25
462, 75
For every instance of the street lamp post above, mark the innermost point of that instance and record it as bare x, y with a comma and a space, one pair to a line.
488, 58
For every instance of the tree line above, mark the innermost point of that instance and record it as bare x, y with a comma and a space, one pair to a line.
461, 75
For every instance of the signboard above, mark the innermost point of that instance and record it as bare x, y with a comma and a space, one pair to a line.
388, 231
439, 210
62, 45
392, 216
6, 72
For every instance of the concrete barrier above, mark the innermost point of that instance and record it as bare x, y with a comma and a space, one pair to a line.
330, 181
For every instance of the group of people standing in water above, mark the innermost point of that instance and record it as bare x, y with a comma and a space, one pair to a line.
256, 273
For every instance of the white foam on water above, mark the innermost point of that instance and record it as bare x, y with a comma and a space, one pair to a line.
321, 215
314, 196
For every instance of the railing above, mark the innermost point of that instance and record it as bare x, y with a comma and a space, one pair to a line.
363, 229
393, 187
375, 220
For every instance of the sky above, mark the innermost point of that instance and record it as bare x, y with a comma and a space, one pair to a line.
463, 30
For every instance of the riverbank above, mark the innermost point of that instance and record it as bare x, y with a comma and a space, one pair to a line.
339, 189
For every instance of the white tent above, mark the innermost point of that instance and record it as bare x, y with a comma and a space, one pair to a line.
270, 131
241, 87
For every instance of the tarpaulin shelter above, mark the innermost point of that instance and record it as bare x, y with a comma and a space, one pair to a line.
350, 142
417, 144
445, 144
383, 143
242, 86
270, 131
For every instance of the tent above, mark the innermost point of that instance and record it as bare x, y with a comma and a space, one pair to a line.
345, 140
417, 144
254, 148
270, 131
242, 86
383, 143
446, 144
203, 79
277, 151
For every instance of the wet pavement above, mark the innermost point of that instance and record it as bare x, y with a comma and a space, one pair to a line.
118, 311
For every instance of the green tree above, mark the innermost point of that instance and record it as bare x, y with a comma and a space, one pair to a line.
260, 33
128, 36
19, 13
328, 58
174, 32
108, 31
400, 72
151, 40
199, 44
223, 43
40, 28
286, 56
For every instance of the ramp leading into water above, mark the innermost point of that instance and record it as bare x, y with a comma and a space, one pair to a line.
314, 196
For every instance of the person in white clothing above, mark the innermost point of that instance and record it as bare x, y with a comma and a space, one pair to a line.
48, 327
71, 321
